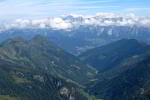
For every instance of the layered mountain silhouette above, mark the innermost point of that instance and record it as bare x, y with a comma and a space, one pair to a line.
108, 56
123, 70
129, 81
83, 37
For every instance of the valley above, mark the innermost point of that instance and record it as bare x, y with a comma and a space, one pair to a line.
37, 69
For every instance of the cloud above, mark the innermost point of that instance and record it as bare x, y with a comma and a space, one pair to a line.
59, 23
15, 9
55, 23
137, 9
93, 7
11, 9
67, 22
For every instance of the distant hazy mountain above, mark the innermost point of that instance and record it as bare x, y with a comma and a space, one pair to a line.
109, 56
130, 81
78, 33
123, 70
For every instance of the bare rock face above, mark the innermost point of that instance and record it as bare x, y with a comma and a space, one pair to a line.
64, 91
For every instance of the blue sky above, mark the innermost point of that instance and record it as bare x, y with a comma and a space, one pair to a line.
12, 9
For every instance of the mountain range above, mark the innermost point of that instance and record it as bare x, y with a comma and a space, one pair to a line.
37, 69
40, 53
123, 70
77, 33
40, 63
128, 81
114, 53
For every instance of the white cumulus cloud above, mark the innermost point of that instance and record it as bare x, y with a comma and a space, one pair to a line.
70, 21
